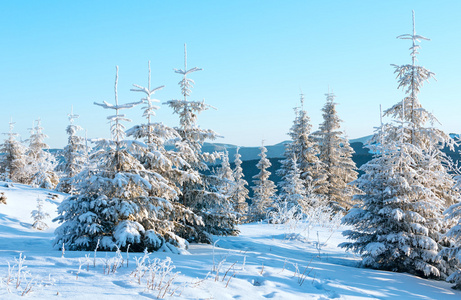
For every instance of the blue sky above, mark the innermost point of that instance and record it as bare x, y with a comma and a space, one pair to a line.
256, 56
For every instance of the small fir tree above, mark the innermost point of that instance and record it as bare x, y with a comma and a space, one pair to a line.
75, 156
40, 163
239, 192
264, 188
293, 192
225, 176
39, 216
12, 165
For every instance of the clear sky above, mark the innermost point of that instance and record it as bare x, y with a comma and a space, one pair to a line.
256, 57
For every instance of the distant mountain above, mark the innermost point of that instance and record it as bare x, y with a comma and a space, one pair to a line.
247, 153
275, 154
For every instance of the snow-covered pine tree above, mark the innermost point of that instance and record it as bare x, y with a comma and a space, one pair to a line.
40, 163
225, 176
405, 187
14, 160
453, 253
239, 192
75, 156
294, 192
264, 188
166, 163
39, 216
122, 203
306, 150
200, 196
336, 157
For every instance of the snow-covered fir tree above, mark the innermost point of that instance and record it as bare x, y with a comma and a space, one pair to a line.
399, 224
75, 156
264, 189
336, 157
40, 163
13, 162
306, 150
453, 253
225, 175
200, 196
39, 216
122, 204
239, 193
293, 191
166, 163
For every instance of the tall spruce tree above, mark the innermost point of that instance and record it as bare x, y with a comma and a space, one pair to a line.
200, 196
336, 157
168, 163
264, 189
405, 187
305, 149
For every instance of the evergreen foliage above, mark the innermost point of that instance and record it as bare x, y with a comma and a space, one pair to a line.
305, 149
122, 203
75, 156
336, 157
294, 193
405, 188
40, 163
13, 162
264, 189
39, 216
453, 253
239, 193
200, 194
166, 163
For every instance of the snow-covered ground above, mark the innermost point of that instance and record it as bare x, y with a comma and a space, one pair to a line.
264, 261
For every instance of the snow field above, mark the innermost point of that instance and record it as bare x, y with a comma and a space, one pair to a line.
264, 262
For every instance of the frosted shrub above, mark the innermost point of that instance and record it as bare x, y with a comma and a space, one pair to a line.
323, 216
286, 215
39, 216
2, 198
155, 275
111, 265
19, 280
